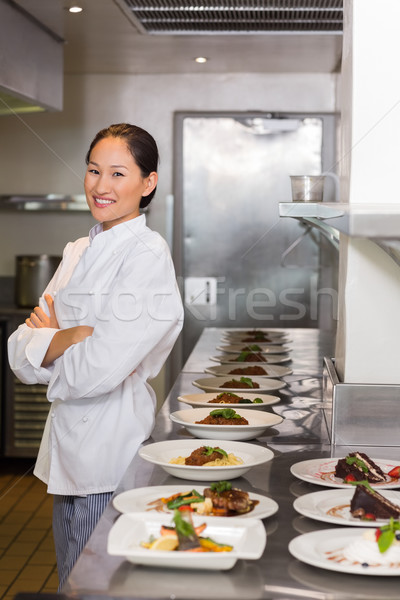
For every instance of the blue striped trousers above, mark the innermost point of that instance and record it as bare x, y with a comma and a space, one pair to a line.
74, 518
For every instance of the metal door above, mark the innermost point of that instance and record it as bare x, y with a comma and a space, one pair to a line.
231, 249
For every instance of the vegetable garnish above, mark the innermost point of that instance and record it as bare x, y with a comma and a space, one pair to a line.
210, 450
226, 413
254, 348
386, 535
365, 483
243, 355
185, 499
247, 381
221, 486
350, 460
227, 394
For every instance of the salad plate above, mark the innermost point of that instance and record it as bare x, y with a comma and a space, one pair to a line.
246, 536
321, 471
161, 453
272, 371
143, 499
333, 506
324, 549
216, 384
259, 421
252, 401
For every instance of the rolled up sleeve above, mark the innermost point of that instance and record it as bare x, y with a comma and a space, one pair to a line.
26, 350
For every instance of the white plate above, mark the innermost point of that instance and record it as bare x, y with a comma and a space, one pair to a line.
249, 330
265, 349
215, 384
200, 400
270, 359
333, 506
312, 548
243, 339
258, 420
273, 371
321, 471
137, 500
247, 536
161, 453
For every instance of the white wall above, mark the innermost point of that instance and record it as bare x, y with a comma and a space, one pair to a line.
44, 153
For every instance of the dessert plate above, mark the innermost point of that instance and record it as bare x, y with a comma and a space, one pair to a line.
202, 400
321, 471
139, 499
247, 536
231, 359
323, 549
333, 506
259, 422
216, 384
161, 453
265, 349
271, 371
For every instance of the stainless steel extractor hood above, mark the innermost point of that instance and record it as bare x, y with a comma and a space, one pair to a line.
31, 60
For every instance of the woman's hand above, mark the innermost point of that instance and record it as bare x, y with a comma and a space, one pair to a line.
40, 319
63, 339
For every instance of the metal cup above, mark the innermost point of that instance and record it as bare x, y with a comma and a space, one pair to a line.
307, 188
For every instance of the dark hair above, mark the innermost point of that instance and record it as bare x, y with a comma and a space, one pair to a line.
141, 145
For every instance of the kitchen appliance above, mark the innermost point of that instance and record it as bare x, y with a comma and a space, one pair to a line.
33, 273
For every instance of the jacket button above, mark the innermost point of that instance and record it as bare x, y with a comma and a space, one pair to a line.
53, 414
84, 419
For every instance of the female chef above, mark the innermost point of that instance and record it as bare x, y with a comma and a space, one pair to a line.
105, 325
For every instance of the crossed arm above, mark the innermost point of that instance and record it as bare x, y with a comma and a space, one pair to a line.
64, 338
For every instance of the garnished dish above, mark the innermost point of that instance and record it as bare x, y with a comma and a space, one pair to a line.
250, 357
349, 506
254, 348
233, 400
249, 369
205, 500
227, 539
255, 334
230, 398
223, 416
220, 499
225, 423
183, 536
261, 384
244, 455
357, 466
211, 456
348, 550
324, 471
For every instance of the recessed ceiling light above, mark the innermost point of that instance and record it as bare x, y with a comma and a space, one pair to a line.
201, 59
75, 9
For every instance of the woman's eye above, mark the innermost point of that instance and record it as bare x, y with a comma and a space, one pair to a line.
117, 174
94, 171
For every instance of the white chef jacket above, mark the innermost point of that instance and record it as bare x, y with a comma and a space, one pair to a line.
122, 283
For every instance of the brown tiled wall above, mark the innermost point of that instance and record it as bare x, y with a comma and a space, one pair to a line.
27, 556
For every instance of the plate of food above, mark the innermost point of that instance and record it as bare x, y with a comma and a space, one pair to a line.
249, 370
233, 400
246, 339
360, 551
361, 506
225, 423
251, 357
259, 348
255, 334
356, 466
208, 460
185, 542
219, 499
239, 384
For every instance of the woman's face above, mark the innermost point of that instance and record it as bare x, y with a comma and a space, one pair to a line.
113, 183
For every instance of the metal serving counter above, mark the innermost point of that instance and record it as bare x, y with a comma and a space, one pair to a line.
277, 575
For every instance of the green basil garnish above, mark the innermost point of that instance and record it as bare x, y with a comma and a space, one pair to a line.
210, 450
226, 413
221, 486
350, 460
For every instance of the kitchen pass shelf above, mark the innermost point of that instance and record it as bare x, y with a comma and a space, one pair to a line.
377, 222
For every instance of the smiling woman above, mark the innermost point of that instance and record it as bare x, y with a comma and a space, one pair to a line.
106, 323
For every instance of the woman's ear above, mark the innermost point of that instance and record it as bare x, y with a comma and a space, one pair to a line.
151, 182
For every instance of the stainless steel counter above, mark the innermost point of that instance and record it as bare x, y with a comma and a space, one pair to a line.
302, 435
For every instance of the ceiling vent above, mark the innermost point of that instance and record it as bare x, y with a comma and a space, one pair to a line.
235, 17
